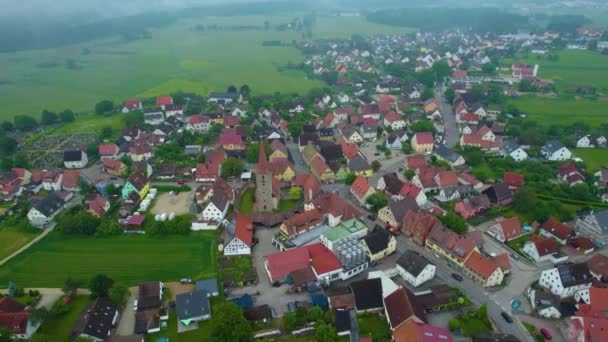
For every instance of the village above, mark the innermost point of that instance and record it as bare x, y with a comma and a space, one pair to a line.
421, 203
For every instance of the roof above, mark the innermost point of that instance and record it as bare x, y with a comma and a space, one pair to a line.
138, 180
72, 156
447, 178
413, 262
602, 219
413, 331
107, 149
424, 138
445, 153
552, 146
316, 255
219, 200
393, 184
512, 179
558, 229
303, 221
331, 151
332, 204
244, 229
192, 305
231, 139
13, 316
259, 313
598, 264
71, 179
344, 229
49, 205
358, 163
574, 274
378, 240
415, 162
546, 246
400, 208
494, 337
481, 265
98, 205
164, 100
360, 187
96, 320
149, 295
368, 294
511, 227
503, 262
342, 320
209, 285
400, 306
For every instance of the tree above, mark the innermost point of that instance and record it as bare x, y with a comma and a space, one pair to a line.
376, 165
295, 129
295, 193
8, 126
423, 125
229, 324
21, 160
245, 90
406, 147
67, 116
70, 287
289, 320
48, 118
449, 95
454, 222
104, 107
428, 93
38, 315
8, 145
109, 227
100, 285
488, 69
441, 69
5, 335
232, 167
316, 314
135, 118
350, 178
25, 122
409, 174
473, 156
118, 294
231, 89
325, 333
377, 200
106, 132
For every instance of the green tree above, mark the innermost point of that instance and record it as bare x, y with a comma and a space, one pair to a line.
48, 118
409, 174
5, 335
119, 294
229, 324
406, 147
441, 69
135, 118
21, 160
25, 122
70, 287
376, 165
325, 333
423, 125
104, 107
67, 116
428, 93
109, 227
295, 193
316, 314
289, 320
245, 90
449, 95
350, 178
377, 200
106, 132
231, 167
454, 222
8, 145
100, 285
7, 126
231, 89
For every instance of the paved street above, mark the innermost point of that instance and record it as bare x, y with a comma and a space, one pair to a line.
296, 156
449, 120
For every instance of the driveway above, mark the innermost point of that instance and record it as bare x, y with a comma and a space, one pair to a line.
449, 119
126, 324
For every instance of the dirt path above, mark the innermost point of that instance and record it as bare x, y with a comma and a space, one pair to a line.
28, 245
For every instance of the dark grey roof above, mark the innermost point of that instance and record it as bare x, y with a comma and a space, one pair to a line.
342, 320
377, 240
259, 313
509, 146
368, 294
308, 138
96, 319
49, 205
400, 208
149, 296
574, 274
552, 146
223, 96
219, 199
602, 220
358, 163
392, 183
445, 153
331, 152
72, 156
326, 132
413, 262
192, 305
463, 190
369, 129
153, 116
209, 285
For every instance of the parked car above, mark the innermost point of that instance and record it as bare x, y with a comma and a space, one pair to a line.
507, 317
514, 256
135, 302
546, 334
516, 304
185, 281
371, 217
457, 276
181, 182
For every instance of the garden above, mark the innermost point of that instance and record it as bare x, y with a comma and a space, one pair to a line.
471, 322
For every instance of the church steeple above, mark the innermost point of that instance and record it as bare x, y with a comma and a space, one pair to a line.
263, 165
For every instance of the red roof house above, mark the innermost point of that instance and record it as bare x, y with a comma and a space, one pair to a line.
553, 228
361, 189
162, 101
506, 229
13, 316
322, 260
513, 180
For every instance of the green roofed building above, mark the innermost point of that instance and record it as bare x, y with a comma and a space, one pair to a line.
354, 228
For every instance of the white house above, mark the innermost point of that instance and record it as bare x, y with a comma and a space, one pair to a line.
42, 213
566, 280
240, 241
555, 151
75, 159
198, 124
546, 304
584, 142
217, 207
415, 268
513, 150
51, 181
541, 249
343, 98
154, 118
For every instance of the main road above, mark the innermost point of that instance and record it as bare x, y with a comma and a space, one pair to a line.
449, 119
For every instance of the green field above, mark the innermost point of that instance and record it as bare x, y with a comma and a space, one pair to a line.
127, 259
174, 58
563, 110
594, 158
60, 328
573, 67
11, 240
91, 123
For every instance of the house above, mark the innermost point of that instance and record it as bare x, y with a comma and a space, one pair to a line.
400, 306
321, 171
162, 101
281, 170
217, 207
454, 192
342, 320
309, 153
192, 307
71, 180
360, 166
154, 118
453, 247
349, 150
279, 151
499, 194
418, 225
395, 211
598, 266
368, 295
554, 229
541, 249
259, 314
390, 184
395, 140
340, 170
301, 223
96, 321
108, 151
231, 141
149, 310
422, 142
413, 331
594, 225
241, 241
331, 152
138, 183
369, 129
51, 180
224, 98
348, 230
198, 124
415, 268
140, 152
483, 270
513, 180
98, 207
506, 230
361, 189
570, 174
379, 244
323, 262
472, 206
546, 304
602, 178
554, 150
351, 135
334, 208
446, 178
14, 317
394, 121
42, 213
566, 280
449, 156
310, 186
75, 159
132, 105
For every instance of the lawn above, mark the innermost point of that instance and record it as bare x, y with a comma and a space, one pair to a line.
375, 326
203, 333
60, 328
90, 123
176, 57
128, 259
518, 244
246, 201
11, 240
286, 204
594, 158
563, 111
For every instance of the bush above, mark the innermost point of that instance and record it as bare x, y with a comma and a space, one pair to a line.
169, 188
453, 324
59, 308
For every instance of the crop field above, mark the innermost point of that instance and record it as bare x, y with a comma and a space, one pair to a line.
127, 259
594, 158
575, 67
174, 58
11, 240
563, 111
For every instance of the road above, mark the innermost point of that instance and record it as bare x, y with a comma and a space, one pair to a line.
449, 119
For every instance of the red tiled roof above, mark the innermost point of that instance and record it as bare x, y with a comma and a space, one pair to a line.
558, 229
303, 221
503, 262
391, 117
447, 178
244, 229
330, 203
318, 164
424, 138
107, 149
399, 308
230, 139
164, 100
514, 180
196, 119
415, 162
598, 264
98, 205
409, 190
71, 179
412, 331
132, 104
546, 246
360, 187
139, 149
310, 185
456, 73
231, 121
112, 164
481, 265
136, 220
469, 178
317, 255
349, 150
511, 227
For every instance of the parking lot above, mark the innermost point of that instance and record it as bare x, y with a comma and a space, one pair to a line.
179, 204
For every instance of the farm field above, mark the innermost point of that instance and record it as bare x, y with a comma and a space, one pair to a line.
594, 158
577, 67
11, 240
175, 58
128, 259
563, 111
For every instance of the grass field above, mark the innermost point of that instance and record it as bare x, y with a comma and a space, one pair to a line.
11, 240
175, 58
573, 67
127, 259
90, 123
594, 158
60, 328
563, 110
